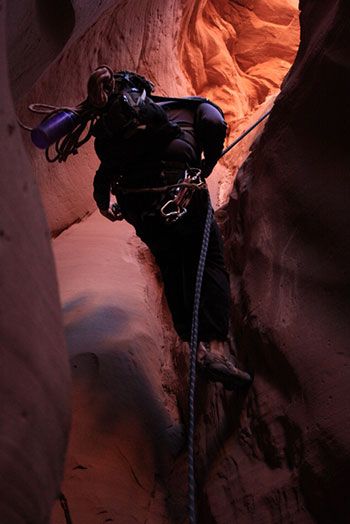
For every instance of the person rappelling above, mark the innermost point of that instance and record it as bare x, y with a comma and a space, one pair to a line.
151, 150
146, 142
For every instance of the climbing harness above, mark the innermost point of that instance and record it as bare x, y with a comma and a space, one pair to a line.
180, 194
194, 340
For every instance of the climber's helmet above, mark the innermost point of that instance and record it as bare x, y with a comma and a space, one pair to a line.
120, 98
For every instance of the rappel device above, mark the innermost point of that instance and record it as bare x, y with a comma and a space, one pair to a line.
176, 207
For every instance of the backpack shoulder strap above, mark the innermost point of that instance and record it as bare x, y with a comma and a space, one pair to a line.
192, 102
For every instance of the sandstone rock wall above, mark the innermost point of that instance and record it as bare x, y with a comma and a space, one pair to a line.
280, 455
127, 433
238, 53
34, 376
289, 252
37, 31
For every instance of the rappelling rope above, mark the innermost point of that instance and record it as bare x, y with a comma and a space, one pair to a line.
194, 339
65, 507
246, 132
193, 361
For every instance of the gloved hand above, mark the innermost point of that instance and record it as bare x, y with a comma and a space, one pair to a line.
113, 213
206, 168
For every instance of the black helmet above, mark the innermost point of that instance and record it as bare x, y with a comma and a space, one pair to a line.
128, 80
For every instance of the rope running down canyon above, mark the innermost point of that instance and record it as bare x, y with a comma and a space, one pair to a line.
194, 339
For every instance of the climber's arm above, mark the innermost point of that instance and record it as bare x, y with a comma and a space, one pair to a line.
102, 185
211, 129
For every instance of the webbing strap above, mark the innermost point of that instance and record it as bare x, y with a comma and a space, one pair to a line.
158, 189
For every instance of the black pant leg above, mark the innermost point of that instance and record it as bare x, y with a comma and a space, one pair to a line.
176, 248
215, 297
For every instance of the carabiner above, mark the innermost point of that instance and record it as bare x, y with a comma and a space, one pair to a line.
172, 215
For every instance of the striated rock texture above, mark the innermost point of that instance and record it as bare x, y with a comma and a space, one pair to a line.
237, 53
34, 376
204, 47
288, 246
37, 31
126, 459
280, 455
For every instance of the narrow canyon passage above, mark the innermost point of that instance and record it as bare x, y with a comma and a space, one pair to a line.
129, 390
125, 425
280, 454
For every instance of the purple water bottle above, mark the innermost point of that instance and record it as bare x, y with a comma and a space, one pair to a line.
53, 128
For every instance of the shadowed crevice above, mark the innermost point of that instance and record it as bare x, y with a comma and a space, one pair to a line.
56, 20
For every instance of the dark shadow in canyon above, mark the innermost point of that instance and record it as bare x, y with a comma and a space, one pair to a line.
56, 19
116, 389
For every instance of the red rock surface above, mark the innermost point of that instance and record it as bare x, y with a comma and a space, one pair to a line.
126, 429
34, 376
37, 32
282, 454
289, 253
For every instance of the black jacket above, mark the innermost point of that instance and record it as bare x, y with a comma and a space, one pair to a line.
193, 126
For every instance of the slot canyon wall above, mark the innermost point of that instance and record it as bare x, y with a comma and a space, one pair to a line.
34, 372
288, 250
282, 453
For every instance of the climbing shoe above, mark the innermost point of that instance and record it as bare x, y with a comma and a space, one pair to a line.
218, 368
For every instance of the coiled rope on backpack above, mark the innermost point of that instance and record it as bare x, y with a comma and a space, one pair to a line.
70, 143
101, 84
